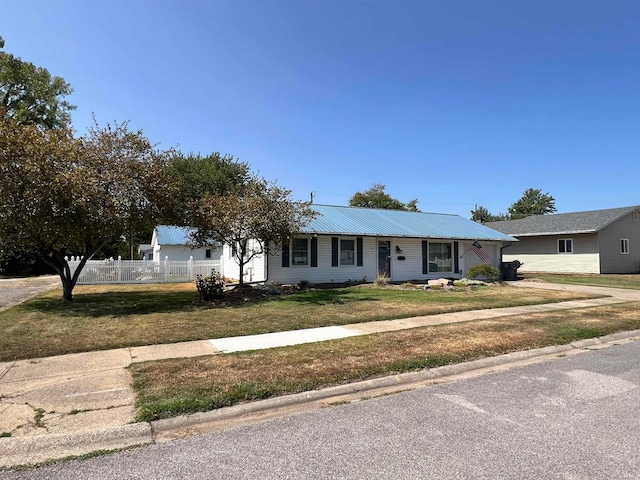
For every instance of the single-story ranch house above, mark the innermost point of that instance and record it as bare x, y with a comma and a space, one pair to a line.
349, 243
597, 241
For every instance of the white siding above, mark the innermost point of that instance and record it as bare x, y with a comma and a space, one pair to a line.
468, 257
411, 267
324, 272
556, 263
254, 270
182, 253
401, 270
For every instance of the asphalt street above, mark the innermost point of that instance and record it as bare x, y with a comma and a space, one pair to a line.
574, 418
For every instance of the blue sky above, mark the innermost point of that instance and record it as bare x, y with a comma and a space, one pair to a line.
455, 103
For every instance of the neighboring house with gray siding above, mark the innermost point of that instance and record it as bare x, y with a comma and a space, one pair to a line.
597, 241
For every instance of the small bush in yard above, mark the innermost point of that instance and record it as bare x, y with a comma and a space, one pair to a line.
484, 272
210, 288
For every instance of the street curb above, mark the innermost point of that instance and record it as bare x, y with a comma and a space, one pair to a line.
203, 422
21, 451
32, 450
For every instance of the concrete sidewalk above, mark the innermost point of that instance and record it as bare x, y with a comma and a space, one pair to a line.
74, 404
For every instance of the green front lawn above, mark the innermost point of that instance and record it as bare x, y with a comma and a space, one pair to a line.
114, 316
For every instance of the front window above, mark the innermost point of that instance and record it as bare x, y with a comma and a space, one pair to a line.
207, 253
624, 246
347, 252
440, 257
300, 251
565, 245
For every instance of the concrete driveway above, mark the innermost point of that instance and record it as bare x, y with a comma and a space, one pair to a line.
16, 290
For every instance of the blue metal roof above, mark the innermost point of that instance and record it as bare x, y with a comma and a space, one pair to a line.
172, 235
337, 220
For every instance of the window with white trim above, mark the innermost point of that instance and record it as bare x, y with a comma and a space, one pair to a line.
300, 251
624, 246
565, 245
440, 257
347, 251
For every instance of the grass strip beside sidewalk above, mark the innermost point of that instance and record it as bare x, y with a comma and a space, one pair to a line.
174, 387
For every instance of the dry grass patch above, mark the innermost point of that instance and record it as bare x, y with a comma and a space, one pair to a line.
115, 316
173, 387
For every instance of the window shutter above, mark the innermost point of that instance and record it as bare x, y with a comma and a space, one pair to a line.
359, 254
285, 253
425, 268
334, 251
314, 251
456, 260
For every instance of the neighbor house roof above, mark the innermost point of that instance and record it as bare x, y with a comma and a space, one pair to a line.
172, 235
337, 220
561, 223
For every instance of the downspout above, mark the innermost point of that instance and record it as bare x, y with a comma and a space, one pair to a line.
502, 248
266, 266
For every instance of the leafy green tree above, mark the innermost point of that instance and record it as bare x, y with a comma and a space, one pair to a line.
249, 219
533, 202
64, 196
482, 215
376, 197
199, 176
31, 95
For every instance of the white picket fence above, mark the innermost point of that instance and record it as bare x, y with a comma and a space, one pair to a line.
142, 271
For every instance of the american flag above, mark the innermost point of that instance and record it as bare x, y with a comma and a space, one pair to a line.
480, 252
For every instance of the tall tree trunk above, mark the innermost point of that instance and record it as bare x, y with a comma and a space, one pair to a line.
241, 273
61, 266
67, 289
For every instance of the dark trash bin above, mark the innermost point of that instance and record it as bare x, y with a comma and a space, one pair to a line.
509, 270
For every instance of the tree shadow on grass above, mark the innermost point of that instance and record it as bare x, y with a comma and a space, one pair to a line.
334, 296
114, 304
119, 304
